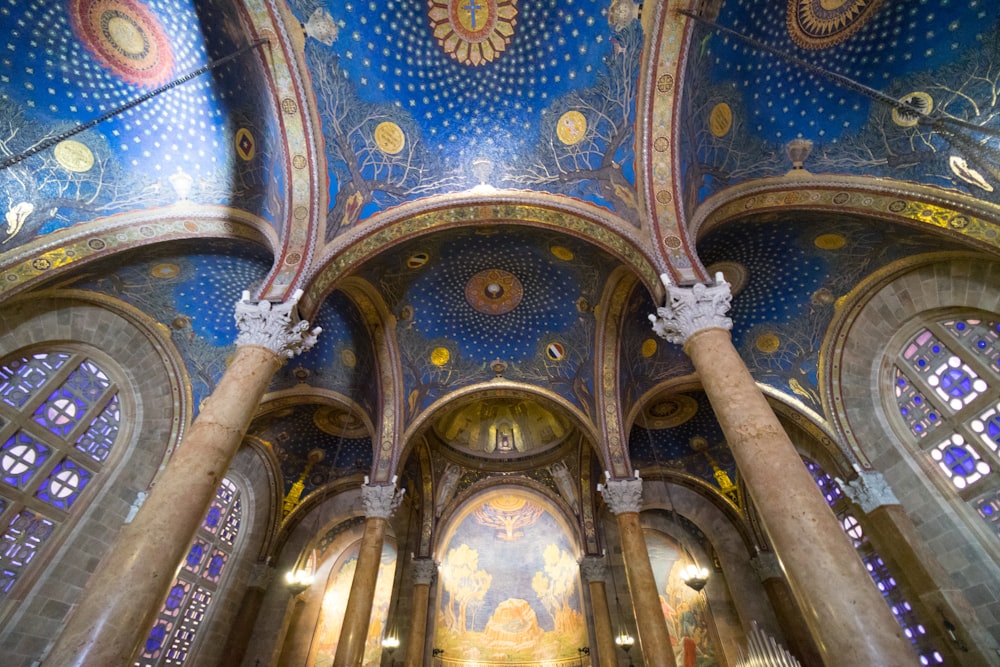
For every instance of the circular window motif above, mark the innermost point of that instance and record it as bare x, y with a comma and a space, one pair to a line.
125, 37
64, 484
19, 459
818, 24
494, 292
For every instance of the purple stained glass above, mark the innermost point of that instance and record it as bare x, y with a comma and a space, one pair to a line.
175, 598
97, 440
195, 555
60, 413
64, 484
212, 518
20, 542
20, 458
956, 382
20, 379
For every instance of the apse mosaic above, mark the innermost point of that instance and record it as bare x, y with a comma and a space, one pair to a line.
342, 360
72, 62
797, 268
192, 290
680, 432
418, 98
472, 305
685, 610
509, 584
331, 617
315, 444
744, 107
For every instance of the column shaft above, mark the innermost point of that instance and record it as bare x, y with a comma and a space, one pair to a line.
242, 627
125, 593
357, 615
654, 639
843, 609
793, 626
605, 639
418, 626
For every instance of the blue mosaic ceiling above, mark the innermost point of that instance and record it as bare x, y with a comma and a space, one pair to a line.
210, 140
744, 104
420, 98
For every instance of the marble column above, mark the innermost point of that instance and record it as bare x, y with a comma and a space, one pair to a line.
124, 595
845, 612
595, 572
623, 497
380, 502
241, 628
424, 570
927, 586
789, 616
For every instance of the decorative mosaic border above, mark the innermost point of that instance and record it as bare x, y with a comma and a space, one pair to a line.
36, 263
895, 201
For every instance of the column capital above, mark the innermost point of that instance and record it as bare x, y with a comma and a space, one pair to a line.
688, 310
622, 495
869, 490
766, 566
380, 500
424, 570
594, 568
275, 326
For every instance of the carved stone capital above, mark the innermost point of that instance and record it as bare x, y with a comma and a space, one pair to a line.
765, 564
622, 495
380, 500
261, 575
594, 568
275, 326
688, 310
869, 490
423, 571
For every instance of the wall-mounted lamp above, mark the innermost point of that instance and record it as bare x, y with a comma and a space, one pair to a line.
694, 577
298, 580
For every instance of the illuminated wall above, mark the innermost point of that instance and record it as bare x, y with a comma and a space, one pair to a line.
509, 583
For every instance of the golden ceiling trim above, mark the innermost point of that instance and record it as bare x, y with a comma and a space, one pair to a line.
305, 196
607, 345
658, 180
894, 201
53, 255
406, 222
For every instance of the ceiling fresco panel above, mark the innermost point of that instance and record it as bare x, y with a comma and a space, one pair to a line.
421, 98
208, 140
746, 106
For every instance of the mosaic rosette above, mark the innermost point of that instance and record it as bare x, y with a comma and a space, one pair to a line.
125, 37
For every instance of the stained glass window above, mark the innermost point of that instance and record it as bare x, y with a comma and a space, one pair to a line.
877, 569
59, 419
173, 634
947, 389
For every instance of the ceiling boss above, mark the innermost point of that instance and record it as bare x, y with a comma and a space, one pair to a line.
473, 32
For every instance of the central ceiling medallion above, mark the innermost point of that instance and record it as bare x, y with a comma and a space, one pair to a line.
818, 24
473, 32
494, 291
125, 37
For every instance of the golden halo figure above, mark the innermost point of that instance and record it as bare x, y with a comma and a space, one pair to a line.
571, 128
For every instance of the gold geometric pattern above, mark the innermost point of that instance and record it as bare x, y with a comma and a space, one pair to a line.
473, 32
818, 24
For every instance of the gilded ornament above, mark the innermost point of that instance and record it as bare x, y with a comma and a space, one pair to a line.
73, 155
571, 128
389, 137
720, 120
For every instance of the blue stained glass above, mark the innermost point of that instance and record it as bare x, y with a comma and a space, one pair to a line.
987, 510
993, 428
936, 348
959, 460
921, 362
902, 382
981, 344
214, 514
960, 326
904, 411
156, 637
918, 428
60, 412
918, 400
175, 597
932, 417
195, 555
215, 566
956, 382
